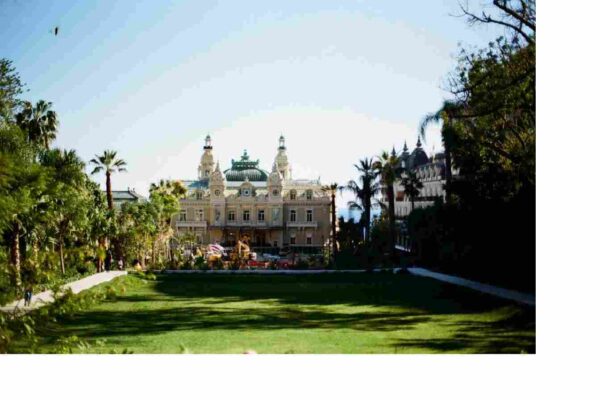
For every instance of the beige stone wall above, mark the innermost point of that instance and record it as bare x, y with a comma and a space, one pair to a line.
208, 229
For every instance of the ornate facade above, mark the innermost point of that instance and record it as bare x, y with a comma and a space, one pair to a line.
268, 209
430, 171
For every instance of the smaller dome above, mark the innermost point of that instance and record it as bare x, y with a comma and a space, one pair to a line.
417, 158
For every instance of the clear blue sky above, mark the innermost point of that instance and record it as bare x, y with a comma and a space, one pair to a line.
341, 79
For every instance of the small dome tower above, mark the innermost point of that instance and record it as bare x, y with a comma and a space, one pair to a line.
274, 182
207, 162
282, 160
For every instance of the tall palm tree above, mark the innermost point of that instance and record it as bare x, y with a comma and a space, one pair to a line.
389, 168
412, 187
445, 116
365, 193
331, 190
39, 121
109, 163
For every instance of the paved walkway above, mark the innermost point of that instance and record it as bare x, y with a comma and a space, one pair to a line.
46, 297
513, 295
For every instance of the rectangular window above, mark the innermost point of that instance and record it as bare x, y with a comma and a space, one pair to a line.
231, 216
292, 239
309, 240
200, 215
246, 215
309, 215
309, 195
261, 215
293, 216
182, 216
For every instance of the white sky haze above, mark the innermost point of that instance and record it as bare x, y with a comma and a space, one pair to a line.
341, 80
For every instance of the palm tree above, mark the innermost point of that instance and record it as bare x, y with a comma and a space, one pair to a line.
365, 192
389, 168
109, 163
448, 131
39, 121
412, 187
67, 206
331, 190
174, 188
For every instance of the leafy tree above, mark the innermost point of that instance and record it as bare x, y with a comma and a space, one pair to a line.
10, 89
138, 225
331, 190
165, 196
22, 183
350, 234
109, 164
412, 186
389, 167
39, 121
488, 130
365, 192
445, 116
69, 200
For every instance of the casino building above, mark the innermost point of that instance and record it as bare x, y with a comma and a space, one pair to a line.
430, 171
270, 210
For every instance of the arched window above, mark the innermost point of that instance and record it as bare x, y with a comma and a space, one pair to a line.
293, 195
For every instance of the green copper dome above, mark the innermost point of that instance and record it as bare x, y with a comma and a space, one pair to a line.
245, 169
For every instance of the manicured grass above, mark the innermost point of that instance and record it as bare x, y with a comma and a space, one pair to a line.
342, 313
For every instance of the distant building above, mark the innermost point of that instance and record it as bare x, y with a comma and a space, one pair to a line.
267, 209
430, 170
121, 197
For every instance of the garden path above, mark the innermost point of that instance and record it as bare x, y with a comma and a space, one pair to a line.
523, 298
40, 299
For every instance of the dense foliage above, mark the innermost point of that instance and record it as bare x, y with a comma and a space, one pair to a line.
56, 224
487, 227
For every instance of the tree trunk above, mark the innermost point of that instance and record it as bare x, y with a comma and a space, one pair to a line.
154, 252
333, 227
35, 247
368, 224
448, 170
392, 219
15, 255
109, 191
62, 255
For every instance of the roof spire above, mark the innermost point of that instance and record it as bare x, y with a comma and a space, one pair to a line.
207, 143
419, 142
405, 148
281, 142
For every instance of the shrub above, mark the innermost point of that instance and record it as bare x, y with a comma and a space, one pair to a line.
200, 263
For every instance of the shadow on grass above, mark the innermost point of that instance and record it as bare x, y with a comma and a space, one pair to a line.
393, 303
428, 295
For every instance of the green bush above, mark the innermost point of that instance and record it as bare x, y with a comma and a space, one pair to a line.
200, 263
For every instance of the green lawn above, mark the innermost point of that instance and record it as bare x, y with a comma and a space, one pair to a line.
349, 313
